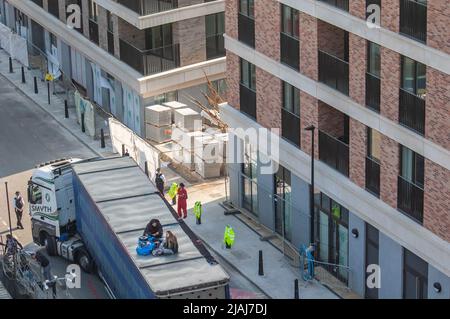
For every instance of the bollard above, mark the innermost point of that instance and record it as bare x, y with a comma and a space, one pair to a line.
48, 91
23, 74
10, 66
36, 91
260, 264
296, 296
123, 149
83, 129
146, 168
102, 138
66, 109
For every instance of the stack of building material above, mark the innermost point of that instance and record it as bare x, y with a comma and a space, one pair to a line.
188, 120
208, 162
158, 123
174, 105
185, 146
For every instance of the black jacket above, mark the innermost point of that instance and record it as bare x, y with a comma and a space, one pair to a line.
41, 259
150, 230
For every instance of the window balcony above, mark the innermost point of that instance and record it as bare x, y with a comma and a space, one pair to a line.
246, 30
373, 92
248, 101
410, 199
146, 7
334, 152
412, 111
340, 4
151, 61
333, 72
413, 20
290, 53
372, 176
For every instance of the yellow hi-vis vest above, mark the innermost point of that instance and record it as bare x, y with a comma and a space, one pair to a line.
228, 236
173, 190
198, 209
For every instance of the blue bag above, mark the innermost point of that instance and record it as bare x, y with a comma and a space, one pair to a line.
145, 246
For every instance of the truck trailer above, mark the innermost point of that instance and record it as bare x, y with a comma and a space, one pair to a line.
112, 200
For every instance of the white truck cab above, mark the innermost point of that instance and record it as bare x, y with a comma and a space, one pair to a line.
52, 211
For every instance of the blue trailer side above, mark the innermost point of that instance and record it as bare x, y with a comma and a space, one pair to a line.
114, 200
110, 257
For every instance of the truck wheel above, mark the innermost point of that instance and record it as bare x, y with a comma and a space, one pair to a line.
50, 244
85, 261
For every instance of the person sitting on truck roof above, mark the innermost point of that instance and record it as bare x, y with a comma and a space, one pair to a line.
154, 229
168, 246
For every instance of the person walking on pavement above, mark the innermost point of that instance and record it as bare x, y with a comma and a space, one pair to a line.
18, 208
182, 201
160, 181
43, 261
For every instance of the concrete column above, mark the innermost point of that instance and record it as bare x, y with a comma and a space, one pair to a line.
300, 212
435, 276
266, 212
391, 266
356, 255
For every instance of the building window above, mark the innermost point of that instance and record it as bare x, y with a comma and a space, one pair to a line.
412, 95
249, 178
332, 229
159, 37
290, 115
110, 33
373, 82
411, 183
414, 77
109, 22
166, 97
415, 276
372, 257
373, 161
93, 11
246, 22
289, 37
283, 203
215, 28
413, 19
248, 89
370, 2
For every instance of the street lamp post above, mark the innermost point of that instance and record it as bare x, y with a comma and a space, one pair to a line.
311, 128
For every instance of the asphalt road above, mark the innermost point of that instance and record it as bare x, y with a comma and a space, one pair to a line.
29, 136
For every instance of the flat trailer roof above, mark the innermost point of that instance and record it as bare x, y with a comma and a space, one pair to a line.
128, 200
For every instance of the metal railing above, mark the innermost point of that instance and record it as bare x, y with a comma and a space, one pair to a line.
289, 53
146, 7
150, 61
373, 92
333, 72
247, 101
412, 111
246, 30
410, 199
334, 152
341, 4
413, 19
372, 176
